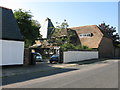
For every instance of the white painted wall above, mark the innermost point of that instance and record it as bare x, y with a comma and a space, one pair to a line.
72, 56
12, 52
0, 52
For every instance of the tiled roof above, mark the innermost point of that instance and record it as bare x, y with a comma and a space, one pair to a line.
80, 27
5, 8
88, 27
47, 28
9, 29
93, 41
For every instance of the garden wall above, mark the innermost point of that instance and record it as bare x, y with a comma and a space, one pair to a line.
73, 56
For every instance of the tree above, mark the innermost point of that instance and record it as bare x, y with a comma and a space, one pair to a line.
59, 36
29, 27
62, 37
109, 31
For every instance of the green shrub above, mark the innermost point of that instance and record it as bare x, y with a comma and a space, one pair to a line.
118, 45
69, 46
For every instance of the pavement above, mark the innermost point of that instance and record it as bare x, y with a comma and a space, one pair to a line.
40, 67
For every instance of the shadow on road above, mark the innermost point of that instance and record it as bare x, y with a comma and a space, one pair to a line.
90, 61
34, 75
42, 72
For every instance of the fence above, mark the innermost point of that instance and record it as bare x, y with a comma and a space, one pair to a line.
73, 56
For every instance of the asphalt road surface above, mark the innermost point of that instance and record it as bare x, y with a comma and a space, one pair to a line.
100, 75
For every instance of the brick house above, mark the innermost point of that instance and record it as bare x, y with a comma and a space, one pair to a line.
93, 37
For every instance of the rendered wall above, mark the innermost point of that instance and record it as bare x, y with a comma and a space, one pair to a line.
1, 62
72, 56
0, 22
12, 52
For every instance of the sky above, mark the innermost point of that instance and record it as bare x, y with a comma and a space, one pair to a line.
77, 13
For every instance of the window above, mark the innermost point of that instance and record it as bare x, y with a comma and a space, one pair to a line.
86, 35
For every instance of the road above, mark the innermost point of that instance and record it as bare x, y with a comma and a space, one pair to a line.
100, 75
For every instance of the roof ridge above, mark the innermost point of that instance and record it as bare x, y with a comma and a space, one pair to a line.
83, 26
5, 8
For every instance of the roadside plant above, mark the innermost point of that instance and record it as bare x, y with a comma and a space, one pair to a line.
69, 47
29, 28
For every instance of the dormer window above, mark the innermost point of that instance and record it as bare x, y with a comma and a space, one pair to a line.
86, 35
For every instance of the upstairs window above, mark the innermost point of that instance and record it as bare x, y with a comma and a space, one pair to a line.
86, 35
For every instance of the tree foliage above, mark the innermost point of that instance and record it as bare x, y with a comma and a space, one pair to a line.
109, 31
29, 27
62, 37
59, 36
70, 46
63, 25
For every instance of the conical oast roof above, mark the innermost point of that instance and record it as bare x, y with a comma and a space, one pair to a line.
47, 28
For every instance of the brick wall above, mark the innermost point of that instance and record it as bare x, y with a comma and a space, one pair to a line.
27, 56
117, 52
106, 48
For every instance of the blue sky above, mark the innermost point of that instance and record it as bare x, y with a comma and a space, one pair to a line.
76, 13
